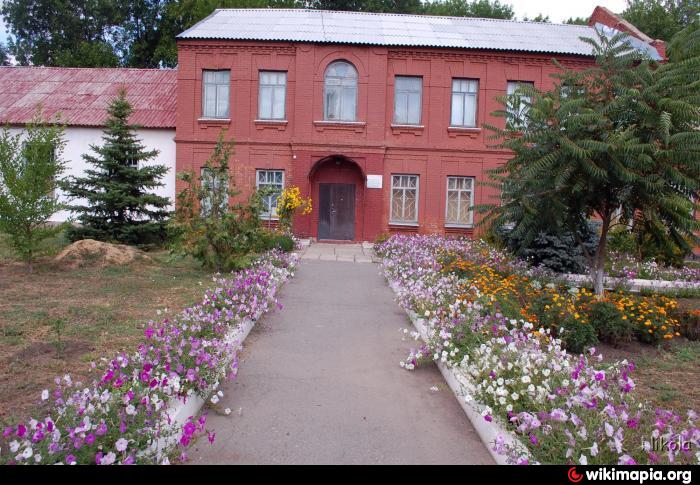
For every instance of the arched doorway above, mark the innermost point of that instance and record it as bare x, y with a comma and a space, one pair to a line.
338, 187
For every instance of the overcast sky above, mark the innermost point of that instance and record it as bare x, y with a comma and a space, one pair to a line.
558, 10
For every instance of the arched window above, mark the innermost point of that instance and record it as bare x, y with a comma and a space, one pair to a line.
340, 92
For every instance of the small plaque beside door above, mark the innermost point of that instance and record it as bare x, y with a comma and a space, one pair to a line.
374, 181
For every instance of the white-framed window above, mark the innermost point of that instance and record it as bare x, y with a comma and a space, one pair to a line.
408, 92
211, 184
275, 180
404, 199
460, 199
271, 99
215, 93
464, 102
520, 102
340, 92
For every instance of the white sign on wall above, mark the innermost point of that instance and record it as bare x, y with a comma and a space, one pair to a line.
374, 181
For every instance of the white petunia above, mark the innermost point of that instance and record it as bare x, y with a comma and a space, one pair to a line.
121, 444
44, 394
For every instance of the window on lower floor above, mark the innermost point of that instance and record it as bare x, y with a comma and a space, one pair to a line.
273, 183
404, 199
460, 199
216, 192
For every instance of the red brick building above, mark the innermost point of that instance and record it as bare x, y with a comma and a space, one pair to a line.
378, 117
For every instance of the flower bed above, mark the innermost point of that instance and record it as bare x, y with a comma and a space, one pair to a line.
126, 415
564, 407
624, 266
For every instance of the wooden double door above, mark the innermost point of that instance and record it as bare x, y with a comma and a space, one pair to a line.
336, 216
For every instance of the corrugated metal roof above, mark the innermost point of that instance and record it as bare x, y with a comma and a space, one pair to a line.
81, 95
320, 26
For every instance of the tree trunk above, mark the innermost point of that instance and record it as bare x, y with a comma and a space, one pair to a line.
598, 268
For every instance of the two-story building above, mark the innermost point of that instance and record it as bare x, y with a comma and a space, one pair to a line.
378, 117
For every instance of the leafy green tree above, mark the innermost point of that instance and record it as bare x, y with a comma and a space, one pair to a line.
538, 18
613, 142
392, 6
465, 8
180, 15
4, 55
577, 21
48, 32
88, 54
661, 19
207, 226
30, 168
116, 199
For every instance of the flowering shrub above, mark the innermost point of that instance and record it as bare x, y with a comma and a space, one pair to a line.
289, 203
122, 417
566, 408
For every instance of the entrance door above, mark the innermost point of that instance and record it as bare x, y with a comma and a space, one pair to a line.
336, 217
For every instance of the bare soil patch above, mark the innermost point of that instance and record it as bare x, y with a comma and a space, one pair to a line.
102, 309
667, 376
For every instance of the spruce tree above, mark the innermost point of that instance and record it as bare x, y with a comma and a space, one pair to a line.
616, 142
116, 202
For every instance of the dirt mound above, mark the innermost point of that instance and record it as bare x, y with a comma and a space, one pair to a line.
89, 252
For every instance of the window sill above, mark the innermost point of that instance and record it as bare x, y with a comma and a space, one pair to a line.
355, 126
403, 224
213, 122
279, 125
397, 129
471, 132
459, 226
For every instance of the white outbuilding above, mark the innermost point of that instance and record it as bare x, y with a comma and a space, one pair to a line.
80, 96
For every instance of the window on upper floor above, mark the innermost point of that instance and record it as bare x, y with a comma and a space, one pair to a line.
404, 199
273, 88
215, 94
464, 102
460, 199
519, 101
273, 181
340, 92
407, 100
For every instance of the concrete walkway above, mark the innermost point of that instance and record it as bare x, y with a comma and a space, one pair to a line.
348, 253
320, 383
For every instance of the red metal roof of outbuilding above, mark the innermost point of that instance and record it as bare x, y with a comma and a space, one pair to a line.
81, 95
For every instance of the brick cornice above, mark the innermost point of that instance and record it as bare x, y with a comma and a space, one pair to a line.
206, 47
509, 57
